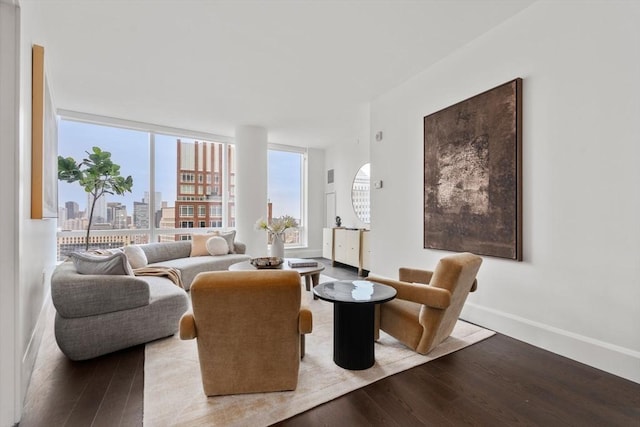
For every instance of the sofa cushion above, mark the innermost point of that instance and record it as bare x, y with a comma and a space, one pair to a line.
217, 245
115, 264
190, 267
136, 256
199, 244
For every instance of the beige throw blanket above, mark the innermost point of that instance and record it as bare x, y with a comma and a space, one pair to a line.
171, 273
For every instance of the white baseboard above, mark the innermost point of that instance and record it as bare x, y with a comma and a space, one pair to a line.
30, 354
608, 357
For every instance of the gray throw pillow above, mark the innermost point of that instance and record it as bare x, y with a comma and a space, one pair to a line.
115, 264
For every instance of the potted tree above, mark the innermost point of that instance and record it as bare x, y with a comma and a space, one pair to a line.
97, 174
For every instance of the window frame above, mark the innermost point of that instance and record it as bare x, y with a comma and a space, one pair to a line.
154, 232
303, 227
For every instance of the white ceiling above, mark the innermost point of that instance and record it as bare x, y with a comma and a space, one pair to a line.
305, 70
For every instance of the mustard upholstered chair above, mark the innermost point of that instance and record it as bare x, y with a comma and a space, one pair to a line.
428, 303
249, 328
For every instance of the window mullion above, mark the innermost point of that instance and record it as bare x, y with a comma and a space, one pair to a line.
152, 187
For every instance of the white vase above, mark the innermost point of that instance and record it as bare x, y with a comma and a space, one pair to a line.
277, 245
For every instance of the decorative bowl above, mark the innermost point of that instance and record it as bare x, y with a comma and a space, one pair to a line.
267, 262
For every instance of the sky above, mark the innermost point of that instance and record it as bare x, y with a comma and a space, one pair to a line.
130, 150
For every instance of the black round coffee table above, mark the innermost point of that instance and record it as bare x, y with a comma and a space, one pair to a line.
353, 319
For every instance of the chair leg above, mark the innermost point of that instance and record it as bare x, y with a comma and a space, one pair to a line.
302, 340
376, 323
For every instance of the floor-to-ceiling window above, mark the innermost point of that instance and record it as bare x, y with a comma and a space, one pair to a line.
285, 191
125, 219
194, 175
181, 181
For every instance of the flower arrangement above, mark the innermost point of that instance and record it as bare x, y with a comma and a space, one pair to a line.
277, 225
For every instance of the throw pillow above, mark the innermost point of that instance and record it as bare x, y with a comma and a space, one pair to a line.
217, 245
116, 264
230, 237
136, 256
199, 244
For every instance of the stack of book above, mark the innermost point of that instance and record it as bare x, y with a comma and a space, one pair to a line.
299, 263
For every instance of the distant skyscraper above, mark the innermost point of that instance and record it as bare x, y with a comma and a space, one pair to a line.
157, 200
117, 215
140, 215
157, 203
100, 210
72, 210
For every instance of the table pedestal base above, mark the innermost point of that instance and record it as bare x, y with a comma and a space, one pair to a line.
353, 341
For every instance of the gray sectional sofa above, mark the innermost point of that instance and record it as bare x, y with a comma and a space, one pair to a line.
176, 254
97, 314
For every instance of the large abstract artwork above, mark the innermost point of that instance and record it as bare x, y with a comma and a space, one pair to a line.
44, 143
472, 174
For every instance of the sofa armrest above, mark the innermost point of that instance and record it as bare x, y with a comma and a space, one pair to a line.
240, 248
414, 275
81, 295
305, 321
188, 329
417, 292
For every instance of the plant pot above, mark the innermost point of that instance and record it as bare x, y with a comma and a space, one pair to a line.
277, 246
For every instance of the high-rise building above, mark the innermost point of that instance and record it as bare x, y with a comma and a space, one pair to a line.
199, 180
167, 220
72, 210
100, 209
157, 200
140, 215
117, 215
157, 206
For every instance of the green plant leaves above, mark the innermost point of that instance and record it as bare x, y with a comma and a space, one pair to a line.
97, 175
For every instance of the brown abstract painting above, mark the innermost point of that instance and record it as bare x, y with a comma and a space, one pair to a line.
472, 174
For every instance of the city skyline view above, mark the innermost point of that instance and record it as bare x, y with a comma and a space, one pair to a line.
130, 150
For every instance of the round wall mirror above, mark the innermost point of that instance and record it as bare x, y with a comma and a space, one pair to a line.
360, 193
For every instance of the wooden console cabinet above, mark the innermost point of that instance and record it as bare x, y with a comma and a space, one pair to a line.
346, 246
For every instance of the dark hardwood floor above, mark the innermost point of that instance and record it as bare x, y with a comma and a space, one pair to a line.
497, 382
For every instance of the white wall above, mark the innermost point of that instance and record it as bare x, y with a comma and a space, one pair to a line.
34, 245
577, 293
10, 355
346, 159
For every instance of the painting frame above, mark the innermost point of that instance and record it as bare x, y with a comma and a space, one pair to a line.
473, 174
44, 142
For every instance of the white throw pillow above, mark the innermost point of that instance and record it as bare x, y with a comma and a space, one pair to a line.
136, 256
229, 236
217, 245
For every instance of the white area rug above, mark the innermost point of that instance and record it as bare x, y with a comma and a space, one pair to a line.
173, 394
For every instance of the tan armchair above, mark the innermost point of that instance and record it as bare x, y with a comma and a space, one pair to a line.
249, 328
428, 303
